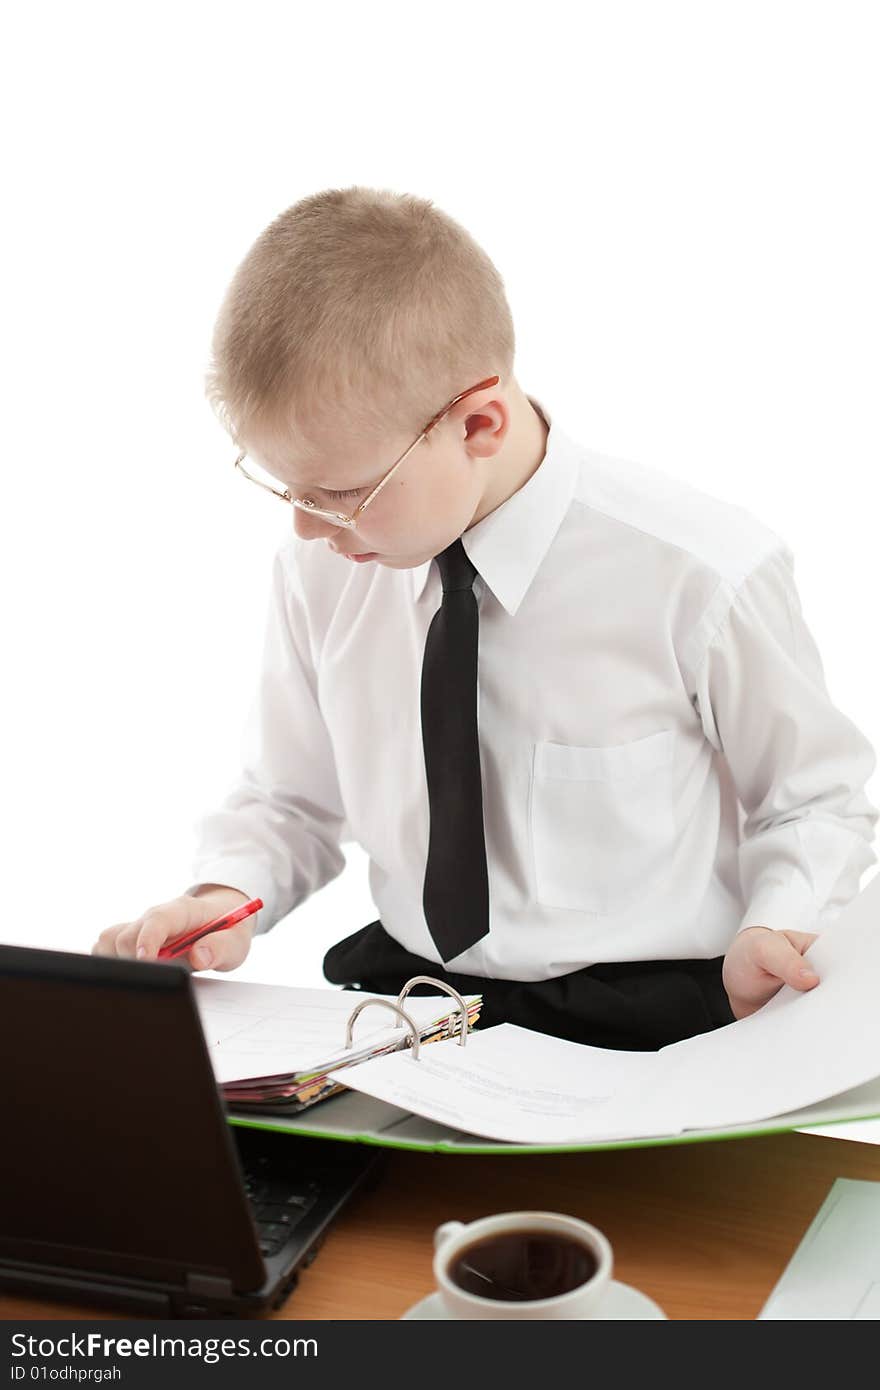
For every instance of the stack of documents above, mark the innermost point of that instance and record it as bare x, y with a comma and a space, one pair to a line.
272, 1047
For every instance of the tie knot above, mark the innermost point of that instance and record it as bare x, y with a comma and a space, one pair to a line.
456, 570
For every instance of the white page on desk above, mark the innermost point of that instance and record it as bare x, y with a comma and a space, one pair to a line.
272, 1030
516, 1085
835, 1272
799, 1048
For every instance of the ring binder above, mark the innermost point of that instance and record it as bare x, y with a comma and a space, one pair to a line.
281, 1058
439, 984
386, 1004
403, 1016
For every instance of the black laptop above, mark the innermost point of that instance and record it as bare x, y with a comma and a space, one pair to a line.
121, 1181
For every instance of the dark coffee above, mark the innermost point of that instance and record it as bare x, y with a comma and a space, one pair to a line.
521, 1266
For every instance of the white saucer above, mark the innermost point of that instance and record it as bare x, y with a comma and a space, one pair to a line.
621, 1302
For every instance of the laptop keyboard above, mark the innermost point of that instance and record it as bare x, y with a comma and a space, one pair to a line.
276, 1208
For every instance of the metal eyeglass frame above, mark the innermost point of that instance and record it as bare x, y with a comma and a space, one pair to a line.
306, 504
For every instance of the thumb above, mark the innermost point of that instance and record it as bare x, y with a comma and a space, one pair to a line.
803, 940
222, 950
784, 959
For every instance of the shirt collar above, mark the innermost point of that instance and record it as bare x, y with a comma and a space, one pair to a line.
508, 546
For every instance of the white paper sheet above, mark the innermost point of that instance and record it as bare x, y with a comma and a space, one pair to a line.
515, 1085
800, 1047
835, 1272
273, 1030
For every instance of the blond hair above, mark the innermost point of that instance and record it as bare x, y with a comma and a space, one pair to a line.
357, 304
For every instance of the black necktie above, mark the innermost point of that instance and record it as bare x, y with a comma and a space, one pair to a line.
456, 894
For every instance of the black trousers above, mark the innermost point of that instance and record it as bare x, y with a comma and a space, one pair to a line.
637, 1006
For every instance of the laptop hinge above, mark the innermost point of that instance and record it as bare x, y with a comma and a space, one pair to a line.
208, 1286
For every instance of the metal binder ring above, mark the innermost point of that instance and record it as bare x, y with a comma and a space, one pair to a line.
386, 1004
440, 984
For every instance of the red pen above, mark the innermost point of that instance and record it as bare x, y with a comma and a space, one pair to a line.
181, 944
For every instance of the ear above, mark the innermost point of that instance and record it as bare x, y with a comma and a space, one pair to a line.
485, 430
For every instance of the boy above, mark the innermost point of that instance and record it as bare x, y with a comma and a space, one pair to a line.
568, 705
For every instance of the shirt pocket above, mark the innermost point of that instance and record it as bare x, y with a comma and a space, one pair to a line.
601, 821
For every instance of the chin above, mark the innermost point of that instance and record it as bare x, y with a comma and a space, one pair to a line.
399, 562
413, 562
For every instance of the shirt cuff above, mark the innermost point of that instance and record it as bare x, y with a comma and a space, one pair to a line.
790, 908
245, 878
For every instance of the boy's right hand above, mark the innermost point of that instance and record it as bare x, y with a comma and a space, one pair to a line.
222, 950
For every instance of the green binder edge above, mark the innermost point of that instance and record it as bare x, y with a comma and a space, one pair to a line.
777, 1125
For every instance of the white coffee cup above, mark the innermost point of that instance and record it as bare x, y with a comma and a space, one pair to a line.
583, 1301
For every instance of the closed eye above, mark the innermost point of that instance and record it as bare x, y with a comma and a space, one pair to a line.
351, 492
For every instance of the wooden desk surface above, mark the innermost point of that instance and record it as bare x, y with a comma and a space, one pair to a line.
706, 1229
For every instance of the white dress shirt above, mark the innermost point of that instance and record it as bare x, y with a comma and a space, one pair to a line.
662, 764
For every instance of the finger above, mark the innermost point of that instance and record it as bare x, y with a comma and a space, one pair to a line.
156, 926
222, 950
106, 942
126, 938
166, 921
777, 955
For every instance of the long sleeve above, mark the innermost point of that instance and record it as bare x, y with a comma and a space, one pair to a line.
799, 765
277, 834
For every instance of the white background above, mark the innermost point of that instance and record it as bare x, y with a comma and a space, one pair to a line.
682, 199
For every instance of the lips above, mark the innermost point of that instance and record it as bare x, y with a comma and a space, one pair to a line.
348, 555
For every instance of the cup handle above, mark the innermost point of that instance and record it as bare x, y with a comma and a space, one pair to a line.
446, 1231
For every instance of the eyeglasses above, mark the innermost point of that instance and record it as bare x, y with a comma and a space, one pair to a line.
307, 504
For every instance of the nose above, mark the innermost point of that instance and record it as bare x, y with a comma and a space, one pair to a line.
312, 528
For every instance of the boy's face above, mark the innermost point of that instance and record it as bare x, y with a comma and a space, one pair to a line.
432, 498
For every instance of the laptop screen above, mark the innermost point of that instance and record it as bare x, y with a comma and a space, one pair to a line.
115, 1154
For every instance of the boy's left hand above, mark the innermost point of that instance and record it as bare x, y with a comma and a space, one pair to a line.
760, 961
